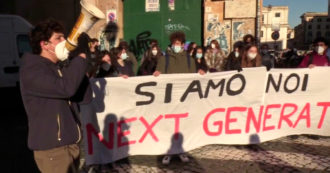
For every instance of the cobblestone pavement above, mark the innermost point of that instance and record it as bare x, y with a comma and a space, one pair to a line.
281, 155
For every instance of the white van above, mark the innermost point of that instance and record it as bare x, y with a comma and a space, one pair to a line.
14, 42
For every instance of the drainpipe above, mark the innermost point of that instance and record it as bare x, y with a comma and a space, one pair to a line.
258, 23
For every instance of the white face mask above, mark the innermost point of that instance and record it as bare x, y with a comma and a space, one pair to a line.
236, 54
320, 50
61, 51
154, 52
124, 56
252, 56
213, 46
177, 49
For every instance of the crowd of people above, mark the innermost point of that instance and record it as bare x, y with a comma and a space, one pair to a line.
62, 88
196, 58
120, 61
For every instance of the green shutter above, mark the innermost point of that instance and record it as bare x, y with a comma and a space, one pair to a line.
140, 26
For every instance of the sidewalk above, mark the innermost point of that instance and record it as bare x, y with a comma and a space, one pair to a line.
282, 155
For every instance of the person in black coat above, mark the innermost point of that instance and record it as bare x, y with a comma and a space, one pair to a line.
200, 62
234, 58
268, 60
120, 61
149, 64
107, 69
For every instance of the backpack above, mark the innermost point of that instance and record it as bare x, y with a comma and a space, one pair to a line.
167, 61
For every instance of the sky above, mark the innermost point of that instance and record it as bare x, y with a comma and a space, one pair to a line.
299, 7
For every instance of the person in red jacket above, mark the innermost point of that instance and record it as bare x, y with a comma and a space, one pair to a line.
318, 57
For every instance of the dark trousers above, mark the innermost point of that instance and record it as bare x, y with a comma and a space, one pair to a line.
64, 159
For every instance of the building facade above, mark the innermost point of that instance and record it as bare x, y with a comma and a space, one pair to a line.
275, 18
313, 25
228, 21
203, 20
224, 21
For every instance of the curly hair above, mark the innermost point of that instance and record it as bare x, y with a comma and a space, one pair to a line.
320, 39
42, 32
178, 36
247, 37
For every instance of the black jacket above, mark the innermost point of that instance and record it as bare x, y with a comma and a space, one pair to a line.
46, 94
148, 66
268, 60
233, 63
202, 65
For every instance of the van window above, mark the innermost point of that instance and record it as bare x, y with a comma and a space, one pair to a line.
23, 44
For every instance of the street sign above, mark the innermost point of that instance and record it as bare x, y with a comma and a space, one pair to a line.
275, 35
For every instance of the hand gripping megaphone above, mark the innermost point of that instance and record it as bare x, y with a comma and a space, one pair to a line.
89, 15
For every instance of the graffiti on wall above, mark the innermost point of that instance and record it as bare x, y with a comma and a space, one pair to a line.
140, 44
108, 36
218, 31
240, 28
169, 28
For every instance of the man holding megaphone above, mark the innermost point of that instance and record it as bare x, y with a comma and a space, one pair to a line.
47, 91
50, 92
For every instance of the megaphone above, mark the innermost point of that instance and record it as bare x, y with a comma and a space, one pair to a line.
89, 15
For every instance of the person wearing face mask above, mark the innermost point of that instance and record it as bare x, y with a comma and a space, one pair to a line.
235, 57
47, 91
251, 57
176, 59
148, 52
267, 59
318, 57
122, 64
215, 57
130, 56
149, 65
200, 62
191, 48
249, 40
106, 68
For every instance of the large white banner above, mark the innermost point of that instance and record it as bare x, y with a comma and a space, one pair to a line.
174, 113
